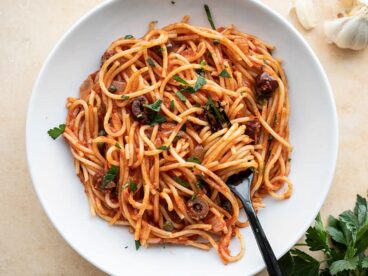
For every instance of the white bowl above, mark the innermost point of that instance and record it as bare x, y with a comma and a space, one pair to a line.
313, 125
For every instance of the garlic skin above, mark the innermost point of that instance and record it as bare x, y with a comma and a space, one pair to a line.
350, 32
350, 4
305, 13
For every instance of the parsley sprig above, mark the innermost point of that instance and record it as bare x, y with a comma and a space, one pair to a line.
56, 131
343, 243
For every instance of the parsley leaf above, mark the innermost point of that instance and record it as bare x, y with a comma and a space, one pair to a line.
316, 237
163, 147
56, 131
128, 36
124, 97
342, 265
156, 106
343, 244
179, 79
224, 74
209, 16
157, 118
137, 244
181, 96
131, 184
182, 182
364, 263
194, 160
199, 83
117, 145
172, 105
304, 264
109, 176
336, 235
151, 62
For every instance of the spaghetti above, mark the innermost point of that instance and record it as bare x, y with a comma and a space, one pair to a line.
167, 119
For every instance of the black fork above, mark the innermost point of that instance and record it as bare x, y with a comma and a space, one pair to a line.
244, 196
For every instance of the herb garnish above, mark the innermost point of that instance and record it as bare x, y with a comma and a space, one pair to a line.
109, 176
224, 74
156, 106
194, 160
181, 96
343, 244
117, 145
137, 244
179, 79
163, 147
151, 62
216, 42
131, 184
128, 37
187, 88
182, 182
112, 88
216, 116
172, 104
199, 83
209, 16
56, 131
157, 118
125, 97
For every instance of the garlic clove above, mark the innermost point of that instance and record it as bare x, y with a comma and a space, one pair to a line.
305, 13
349, 32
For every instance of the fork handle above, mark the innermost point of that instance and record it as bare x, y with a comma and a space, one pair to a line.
263, 244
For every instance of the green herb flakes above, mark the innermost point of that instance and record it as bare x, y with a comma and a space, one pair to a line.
194, 159
209, 16
156, 106
128, 36
182, 182
224, 74
151, 62
56, 131
109, 176
181, 96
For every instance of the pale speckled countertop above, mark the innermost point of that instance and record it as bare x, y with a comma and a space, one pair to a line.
29, 243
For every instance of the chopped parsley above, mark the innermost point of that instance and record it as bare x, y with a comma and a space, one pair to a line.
151, 62
194, 159
209, 16
172, 105
109, 176
137, 244
157, 118
131, 184
181, 96
117, 145
216, 42
179, 79
156, 106
112, 88
163, 147
128, 36
56, 131
270, 137
182, 182
125, 97
199, 83
224, 74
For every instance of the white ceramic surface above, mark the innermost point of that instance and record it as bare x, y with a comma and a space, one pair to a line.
313, 127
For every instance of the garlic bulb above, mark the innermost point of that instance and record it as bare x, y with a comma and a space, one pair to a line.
350, 31
305, 13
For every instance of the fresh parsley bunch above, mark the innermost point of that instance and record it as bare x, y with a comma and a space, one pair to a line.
344, 244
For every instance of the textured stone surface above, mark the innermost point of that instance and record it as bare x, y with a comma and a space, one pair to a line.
29, 243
